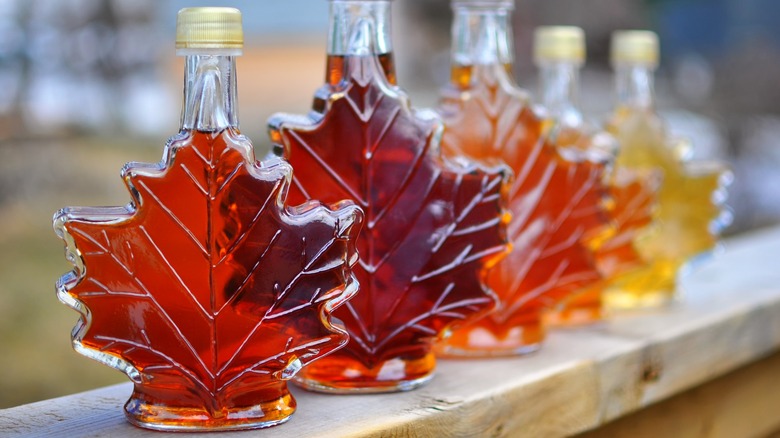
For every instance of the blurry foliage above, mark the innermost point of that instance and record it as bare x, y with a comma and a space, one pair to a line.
64, 64
38, 361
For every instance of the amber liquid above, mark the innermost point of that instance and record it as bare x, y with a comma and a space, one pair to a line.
464, 76
335, 80
421, 218
688, 210
200, 288
633, 202
556, 205
335, 65
631, 206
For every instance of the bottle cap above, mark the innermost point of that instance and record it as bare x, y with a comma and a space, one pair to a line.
209, 28
487, 4
559, 43
635, 47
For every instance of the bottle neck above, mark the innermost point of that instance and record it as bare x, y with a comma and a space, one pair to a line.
635, 86
359, 28
481, 37
559, 83
210, 92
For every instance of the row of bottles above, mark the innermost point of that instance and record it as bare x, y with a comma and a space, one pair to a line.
377, 237
557, 198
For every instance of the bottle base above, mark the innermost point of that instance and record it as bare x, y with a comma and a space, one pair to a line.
483, 340
619, 301
574, 317
337, 374
362, 387
179, 419
450, 352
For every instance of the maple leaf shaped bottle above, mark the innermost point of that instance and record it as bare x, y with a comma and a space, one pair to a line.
432, 225
559, 52
557, 200
690, 211
208, 290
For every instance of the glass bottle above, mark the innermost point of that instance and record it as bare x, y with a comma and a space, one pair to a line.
432, 224
556, 200
559, 52
207, 289
690, 211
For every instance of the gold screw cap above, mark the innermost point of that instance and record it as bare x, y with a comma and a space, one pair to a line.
635, 47
209, 28
559, 43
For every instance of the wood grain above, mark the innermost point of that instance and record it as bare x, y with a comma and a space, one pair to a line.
581, 380
744, 403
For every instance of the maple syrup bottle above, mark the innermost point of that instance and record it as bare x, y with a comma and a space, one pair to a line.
207, 289
690, 211
432, 224
556, 200
559, 52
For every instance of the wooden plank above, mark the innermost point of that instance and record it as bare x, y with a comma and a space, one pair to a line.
744, 403
581, 380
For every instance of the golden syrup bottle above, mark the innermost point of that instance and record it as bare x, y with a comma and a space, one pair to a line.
559, 52
690, 212
208, 290
556, 200
432, 224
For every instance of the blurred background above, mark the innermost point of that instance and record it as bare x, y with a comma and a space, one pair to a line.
87, 85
